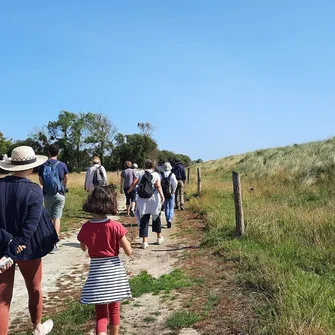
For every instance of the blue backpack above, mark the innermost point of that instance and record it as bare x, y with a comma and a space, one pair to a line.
51, 181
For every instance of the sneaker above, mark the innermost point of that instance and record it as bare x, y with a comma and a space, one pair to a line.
169, 224
132, 213
145, 245
160, 240
181, 208
45, 329
54, 250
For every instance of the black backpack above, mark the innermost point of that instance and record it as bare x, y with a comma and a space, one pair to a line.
98, 177
166, 186
145, 187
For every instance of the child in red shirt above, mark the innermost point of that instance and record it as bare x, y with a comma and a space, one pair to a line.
107, 283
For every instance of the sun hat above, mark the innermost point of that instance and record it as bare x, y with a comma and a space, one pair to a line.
167, 166
22, 158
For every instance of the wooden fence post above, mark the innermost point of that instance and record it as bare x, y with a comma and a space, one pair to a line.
238, 204
199, 181
188, 175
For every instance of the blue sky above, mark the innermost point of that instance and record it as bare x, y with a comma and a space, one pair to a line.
215, 78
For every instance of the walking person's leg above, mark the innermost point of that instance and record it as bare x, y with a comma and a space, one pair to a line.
177, 195
114, 317
157, 228
166, 209
57, 211
144, 230
132, 202
6, 293
101, 312
32, 273
128, 197
181, 193
170, 210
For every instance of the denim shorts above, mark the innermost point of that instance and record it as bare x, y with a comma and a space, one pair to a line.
54, 205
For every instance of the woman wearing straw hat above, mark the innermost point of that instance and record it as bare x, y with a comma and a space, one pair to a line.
26, 235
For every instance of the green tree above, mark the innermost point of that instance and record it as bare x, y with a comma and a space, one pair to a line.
67, 132
146, 128
100, 134
137, 148
5, 145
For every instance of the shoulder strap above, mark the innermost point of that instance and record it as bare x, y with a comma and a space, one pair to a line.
169, 176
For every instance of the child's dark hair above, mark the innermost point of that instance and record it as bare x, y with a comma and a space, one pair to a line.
103, 200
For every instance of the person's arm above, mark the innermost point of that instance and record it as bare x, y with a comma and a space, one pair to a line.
65, 180
35, 205
121, 183
5, 238
158, 186
86, 179
83, 246
174, 182
133, 185
104, 174
126, 246
81, 237
183, 175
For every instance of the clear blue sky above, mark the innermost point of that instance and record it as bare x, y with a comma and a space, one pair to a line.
215, 78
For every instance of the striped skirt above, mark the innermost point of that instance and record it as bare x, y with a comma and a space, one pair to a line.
107, 282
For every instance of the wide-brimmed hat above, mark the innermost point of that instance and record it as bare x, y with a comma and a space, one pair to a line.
22, 158
167, 166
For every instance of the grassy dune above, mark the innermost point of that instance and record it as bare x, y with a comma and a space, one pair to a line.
287, 258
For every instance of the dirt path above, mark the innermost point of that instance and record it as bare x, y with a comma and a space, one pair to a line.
66, 270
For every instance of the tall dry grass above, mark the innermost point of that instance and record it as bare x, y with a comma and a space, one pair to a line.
288, 256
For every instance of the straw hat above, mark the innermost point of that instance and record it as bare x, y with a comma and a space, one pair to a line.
23, 158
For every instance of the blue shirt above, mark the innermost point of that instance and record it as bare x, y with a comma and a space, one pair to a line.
62, 171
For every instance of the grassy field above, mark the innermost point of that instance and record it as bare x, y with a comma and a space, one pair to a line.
287, 257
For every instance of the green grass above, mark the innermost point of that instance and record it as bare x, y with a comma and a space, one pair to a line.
72, 321
287, 257
182, 319
145, 283
73, 212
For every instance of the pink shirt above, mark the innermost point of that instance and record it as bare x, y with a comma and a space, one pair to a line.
102, 238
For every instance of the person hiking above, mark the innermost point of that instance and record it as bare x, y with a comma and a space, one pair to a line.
159, 166
149, 202
127, 178
107, 283
53, 176
169, 186
95, 175
179, 171
27, 235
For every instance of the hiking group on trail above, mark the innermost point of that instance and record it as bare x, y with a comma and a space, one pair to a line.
29, 230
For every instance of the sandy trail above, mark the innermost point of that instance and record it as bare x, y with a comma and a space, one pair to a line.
68, 267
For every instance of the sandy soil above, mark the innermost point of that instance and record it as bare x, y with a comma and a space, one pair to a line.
67, 269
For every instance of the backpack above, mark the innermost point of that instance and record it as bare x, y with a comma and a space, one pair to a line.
145, 187
166, 186
51, 181
98, 177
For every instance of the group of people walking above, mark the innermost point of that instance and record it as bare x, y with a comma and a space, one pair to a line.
30, 227
167, 187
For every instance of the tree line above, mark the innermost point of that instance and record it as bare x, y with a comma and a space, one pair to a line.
84, 135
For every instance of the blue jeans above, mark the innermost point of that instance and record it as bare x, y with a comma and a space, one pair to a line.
169, 208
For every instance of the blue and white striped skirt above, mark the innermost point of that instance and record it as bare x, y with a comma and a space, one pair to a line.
107, 282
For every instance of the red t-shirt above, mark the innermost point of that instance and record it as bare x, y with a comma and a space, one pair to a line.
102, 238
